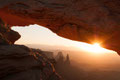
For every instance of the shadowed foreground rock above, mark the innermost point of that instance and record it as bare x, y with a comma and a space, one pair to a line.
82, 20
18, 62
7, 36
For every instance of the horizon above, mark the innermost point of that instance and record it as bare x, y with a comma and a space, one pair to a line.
35, 34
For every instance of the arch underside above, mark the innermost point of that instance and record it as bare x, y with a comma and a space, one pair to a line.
81, 20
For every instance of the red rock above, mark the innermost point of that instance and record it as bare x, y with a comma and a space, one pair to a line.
18, 62
81, 20
9, 36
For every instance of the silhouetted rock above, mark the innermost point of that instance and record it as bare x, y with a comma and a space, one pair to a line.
60, 58
59, 54
7, 35
67, 61
66, 69
18, 62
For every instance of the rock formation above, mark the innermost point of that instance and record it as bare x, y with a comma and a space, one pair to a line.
18, 62
67, 61
61, 60
82, 20
59, 57
7, 36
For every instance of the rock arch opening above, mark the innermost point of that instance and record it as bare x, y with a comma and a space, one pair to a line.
37, 35
84, 21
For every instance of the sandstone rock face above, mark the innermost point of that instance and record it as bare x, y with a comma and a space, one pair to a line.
82, 20
7, 36
18, 62
3, 40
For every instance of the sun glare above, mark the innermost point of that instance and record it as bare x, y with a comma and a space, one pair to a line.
94, 48
29, 37
96, 45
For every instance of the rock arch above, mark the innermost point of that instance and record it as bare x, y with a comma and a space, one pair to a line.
81, 20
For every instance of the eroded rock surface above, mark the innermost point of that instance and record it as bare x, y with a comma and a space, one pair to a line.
82, 20
7, 36
18, 62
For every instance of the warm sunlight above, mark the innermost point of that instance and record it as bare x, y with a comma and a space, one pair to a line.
34, 35
94, 48
97, 48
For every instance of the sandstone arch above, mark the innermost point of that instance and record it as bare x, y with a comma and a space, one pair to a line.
81, 20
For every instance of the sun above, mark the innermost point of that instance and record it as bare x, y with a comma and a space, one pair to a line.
94, 48
96, 45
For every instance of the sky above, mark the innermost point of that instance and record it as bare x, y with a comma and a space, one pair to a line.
35, 34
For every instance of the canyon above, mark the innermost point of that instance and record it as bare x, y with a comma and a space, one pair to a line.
80, 20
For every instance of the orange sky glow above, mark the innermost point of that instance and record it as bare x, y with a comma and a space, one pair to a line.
35, 34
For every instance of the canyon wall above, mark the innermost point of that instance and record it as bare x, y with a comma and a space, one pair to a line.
18, 62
